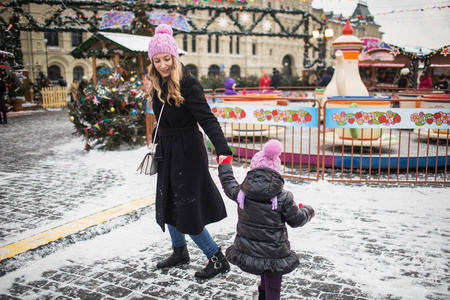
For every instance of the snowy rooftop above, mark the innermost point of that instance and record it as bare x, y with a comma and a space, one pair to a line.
137, 43
128, 42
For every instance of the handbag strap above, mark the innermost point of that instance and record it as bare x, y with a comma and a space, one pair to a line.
157, 126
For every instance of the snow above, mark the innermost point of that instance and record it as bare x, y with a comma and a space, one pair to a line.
389, 240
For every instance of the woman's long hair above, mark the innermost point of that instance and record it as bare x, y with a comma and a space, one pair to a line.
173, 82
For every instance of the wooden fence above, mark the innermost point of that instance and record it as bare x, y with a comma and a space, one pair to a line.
54, 96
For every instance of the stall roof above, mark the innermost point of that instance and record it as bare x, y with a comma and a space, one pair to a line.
128, 43
388, 65
440, 65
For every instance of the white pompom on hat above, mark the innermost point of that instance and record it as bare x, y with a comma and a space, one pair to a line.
163, 42
404, 71
268, 157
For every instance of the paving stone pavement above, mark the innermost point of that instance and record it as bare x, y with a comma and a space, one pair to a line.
28, 140
135, 277
37, 191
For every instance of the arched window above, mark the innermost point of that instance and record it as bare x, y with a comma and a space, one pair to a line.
193, 69
235, 71
213, 70
78, 73
287, 65
54, 72
98, 69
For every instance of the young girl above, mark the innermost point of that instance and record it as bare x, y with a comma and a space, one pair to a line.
261, 246
187, 198
230, 85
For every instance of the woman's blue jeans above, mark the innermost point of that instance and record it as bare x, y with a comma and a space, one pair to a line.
203, 240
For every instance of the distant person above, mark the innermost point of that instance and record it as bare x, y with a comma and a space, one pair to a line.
442, 83
73, 89
62, 82
264, 82
327, 77
403, 81
312, 80
425, 81
2, 102
384, 78
275, 81
230, 86
82, 87
261, 246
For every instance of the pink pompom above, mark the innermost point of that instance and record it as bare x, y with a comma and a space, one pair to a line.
272, 148
163, 28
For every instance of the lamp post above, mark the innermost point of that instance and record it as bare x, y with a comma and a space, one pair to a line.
46, 54
321, 37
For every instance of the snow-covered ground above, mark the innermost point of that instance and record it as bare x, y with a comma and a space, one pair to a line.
387, 240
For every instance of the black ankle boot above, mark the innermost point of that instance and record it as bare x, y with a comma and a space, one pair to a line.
261, 293
217, 264
179, 256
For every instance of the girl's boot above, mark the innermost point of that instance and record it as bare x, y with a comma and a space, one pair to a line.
261, 293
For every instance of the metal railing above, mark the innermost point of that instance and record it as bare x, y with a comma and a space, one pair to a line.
295, 127
405, 144
386, 144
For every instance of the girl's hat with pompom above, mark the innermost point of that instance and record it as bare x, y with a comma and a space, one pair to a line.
268, 157
162, 42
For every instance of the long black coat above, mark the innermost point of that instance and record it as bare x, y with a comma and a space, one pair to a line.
186, 195
261, 244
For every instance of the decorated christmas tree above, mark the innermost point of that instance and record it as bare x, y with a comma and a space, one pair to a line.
111, 114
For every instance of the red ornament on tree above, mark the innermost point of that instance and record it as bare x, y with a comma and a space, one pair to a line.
133, 93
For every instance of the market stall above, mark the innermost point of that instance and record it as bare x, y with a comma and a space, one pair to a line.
380, 63
117, 47
439, 63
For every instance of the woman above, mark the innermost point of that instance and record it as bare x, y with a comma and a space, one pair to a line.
82, 86
187, 198
425, 81
73, 90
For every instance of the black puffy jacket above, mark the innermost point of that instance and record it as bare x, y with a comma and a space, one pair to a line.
261, 244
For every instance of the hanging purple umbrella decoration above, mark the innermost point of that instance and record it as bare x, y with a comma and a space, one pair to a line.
174, 20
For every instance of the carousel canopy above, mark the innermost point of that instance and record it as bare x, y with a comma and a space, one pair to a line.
105, 44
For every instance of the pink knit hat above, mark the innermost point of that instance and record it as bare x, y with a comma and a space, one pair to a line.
163, 42
268, 157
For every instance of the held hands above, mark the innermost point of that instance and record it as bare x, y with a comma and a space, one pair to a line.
222, 159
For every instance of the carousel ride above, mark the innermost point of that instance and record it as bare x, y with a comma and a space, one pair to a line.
354, 145
347, 93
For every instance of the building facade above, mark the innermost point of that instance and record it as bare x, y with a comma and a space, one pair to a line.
231, 55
